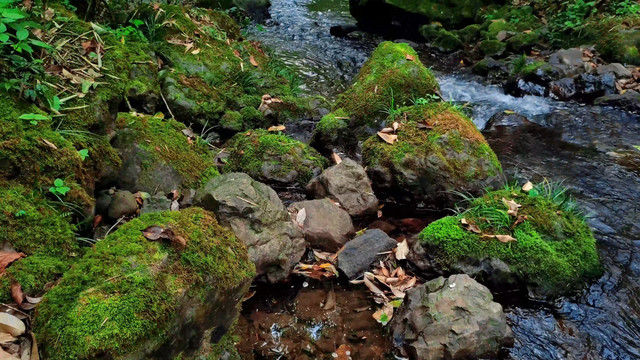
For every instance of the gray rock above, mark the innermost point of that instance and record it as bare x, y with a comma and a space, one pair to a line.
348, 184
618, 69
123, 203
156, 203
187, 197
570, 57
454, 318
491, 272
563, 89
505, 120
325, 226
258, 218
103, 200
359, 253
629, 101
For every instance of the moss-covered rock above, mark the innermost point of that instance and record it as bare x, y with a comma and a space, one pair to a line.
157, 156
470, 33
31, 225
333, 133
439, 150
273, 158
554, 251
447, 41
33, 154
133, 298
522, 42
393, 76
492, 47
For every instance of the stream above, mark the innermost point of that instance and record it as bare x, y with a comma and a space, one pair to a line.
589, 148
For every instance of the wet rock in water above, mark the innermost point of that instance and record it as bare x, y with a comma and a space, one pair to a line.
491, 68
273, 158
156, 203
157, 156
438, 151
563, 89
505, 119
325, 226
629, 101
567, 62
258, 218
349, 185
453, 318
165, 297
491, 272
616, 68
359, 253
546, 243
393, 71
522, 87
590, 86
123, 203
342, 30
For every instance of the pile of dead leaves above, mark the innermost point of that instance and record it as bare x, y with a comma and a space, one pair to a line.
322, 268
155, 232
389, 134
17, 342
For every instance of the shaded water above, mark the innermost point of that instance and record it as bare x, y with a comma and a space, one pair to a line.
590, 148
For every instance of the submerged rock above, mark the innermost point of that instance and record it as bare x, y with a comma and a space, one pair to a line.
258, 218
273, 158
453, 318
325, 226
438, 151
548, 245
348, 184
359, 253
164, 297
502, 120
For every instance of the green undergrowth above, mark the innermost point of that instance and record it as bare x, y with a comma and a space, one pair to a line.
33, 226
434, 130
554, 252
391, 78
250, 152
164, 140
124, 291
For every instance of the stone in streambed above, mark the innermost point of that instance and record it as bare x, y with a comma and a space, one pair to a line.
359, 253
325, 226
123, 203
258, 218
156, 203
454, 318
348, 184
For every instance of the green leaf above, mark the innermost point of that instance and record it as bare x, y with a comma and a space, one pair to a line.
637, 147
396, 303
40, 44
384, 319
58, 183
84, 153
32, 116
4, 38
86, 85
63, 190
534, 192
33, 122
22, 34
52, 190
13, 14
3, 27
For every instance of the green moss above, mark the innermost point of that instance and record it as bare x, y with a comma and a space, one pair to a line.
448, 12
30, 225
163, 139
393, 75
492, 47
250, 152
124, 291
470, 33
447, 41
232, 120
555, 250
333, 124
495, 27
523, 41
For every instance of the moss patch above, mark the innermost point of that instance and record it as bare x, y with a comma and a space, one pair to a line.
392, 77
254, 150
555, 250
123, 292
30, 225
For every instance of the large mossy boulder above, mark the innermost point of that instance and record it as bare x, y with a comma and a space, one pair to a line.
273, 158
31, 226
158, 156
551, 249
392, 77
133, 298
438, 151
259, 219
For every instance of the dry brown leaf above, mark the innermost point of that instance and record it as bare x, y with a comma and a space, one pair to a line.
402, 250
513, 207
236, 53
343, 352
397, 292
330, 302
502, 238
11, 324
6, 356
527, 187
424, 125
388, 138
520, 220
34, 348
387, 130
196, 51
277, 128
152, 232
253, 61
410, 57
372, 287
336, 158
179, 240
470, 226
6, 258
49, 144
16, 293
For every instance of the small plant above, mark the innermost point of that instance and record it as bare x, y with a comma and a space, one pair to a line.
33, 118
132, 32
428, 99
84, 153
393, 110
20, 213
59, 189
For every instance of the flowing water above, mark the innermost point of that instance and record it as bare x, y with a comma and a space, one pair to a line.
591, 149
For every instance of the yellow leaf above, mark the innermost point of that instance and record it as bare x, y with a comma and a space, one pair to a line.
388, 138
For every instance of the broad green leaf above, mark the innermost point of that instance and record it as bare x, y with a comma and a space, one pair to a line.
22, 34
14, 14
3, 27
4, 38
84, 153
63, 190
40, 44
58, 183
33, 117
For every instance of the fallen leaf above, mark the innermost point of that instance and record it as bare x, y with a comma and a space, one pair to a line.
395, 125
301, 217
253, 61
196, 51
519, 221
6, 258
6, 356
384, 314
387, 130
410, 57
513, 207
527, 187
330, 302
402, 250
11, 324
6, 338
505, 238
152, 232
372, 287
336, 158
33, 300
388, 138
16, 293
277, 128
180, 241
424, 125
49, 144
97, 220
236, 53
34, 348
470, 226
343, 352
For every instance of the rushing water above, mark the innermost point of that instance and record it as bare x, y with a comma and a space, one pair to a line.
591, 149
